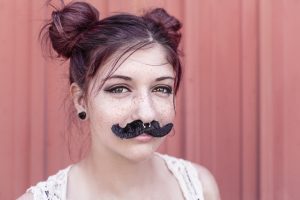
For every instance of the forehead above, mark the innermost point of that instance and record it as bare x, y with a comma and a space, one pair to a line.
150, 61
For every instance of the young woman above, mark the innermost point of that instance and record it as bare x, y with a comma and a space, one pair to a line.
124, 75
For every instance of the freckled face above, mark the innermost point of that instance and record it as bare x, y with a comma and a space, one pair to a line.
141, 88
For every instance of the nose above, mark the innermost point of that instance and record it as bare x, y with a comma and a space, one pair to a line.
144, 109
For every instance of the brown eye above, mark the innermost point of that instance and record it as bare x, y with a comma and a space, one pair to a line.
163, 89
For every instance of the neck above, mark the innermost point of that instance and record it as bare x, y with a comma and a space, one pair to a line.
115, 174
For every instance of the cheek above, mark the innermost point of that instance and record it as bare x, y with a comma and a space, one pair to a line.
165, 109
109, 110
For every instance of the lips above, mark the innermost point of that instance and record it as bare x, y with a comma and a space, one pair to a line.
143, 138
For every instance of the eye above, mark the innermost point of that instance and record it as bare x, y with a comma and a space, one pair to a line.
117, 89
167, 90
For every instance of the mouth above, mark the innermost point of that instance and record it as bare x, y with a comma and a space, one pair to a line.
143, 138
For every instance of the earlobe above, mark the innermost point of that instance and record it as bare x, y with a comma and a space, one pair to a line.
77, 96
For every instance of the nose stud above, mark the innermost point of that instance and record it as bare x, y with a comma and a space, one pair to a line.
146, 125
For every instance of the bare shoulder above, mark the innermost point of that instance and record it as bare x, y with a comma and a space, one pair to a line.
26, 196
209, 184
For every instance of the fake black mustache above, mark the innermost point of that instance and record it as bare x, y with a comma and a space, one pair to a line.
137, 128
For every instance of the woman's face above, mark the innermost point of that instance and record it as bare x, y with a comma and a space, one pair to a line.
140, 89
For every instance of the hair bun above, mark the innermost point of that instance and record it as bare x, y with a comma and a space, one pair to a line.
168, 22
68, 24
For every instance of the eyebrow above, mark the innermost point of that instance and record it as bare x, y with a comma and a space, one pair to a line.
164, 78
126, 78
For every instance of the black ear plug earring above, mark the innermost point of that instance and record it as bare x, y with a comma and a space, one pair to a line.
82, 115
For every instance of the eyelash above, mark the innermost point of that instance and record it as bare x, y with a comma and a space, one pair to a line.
163, 89
115, 88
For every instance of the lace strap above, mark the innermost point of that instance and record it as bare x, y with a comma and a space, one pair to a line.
187, 177
54, 188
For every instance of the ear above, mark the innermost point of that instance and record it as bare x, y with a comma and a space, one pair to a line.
77, 96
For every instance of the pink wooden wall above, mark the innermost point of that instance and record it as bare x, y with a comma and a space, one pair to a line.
238, 111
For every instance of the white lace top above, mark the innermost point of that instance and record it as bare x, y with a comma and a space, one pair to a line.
55, 188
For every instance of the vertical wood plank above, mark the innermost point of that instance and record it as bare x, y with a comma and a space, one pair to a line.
291, 99
21, 98
226, 96
266, 112
37, 93
249, 100
197, 82
7, 72
273, 68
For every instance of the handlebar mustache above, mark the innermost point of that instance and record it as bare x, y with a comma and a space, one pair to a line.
137, 127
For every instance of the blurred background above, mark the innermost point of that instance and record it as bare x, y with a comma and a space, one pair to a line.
238, 109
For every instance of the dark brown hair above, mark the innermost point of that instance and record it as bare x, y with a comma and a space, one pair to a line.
76, 33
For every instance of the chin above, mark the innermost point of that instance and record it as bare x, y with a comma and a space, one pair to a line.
139, 151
